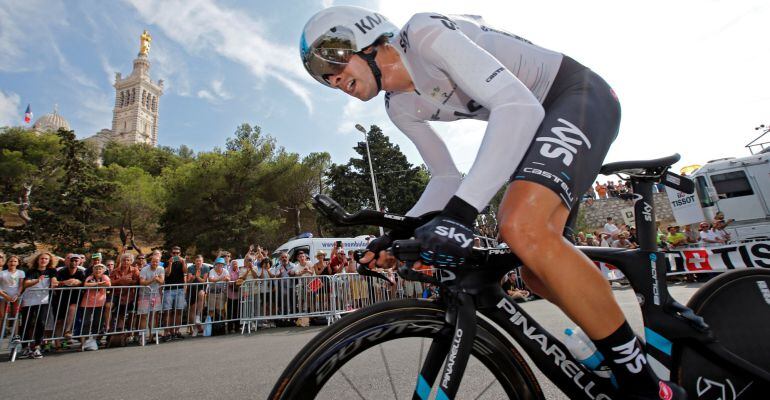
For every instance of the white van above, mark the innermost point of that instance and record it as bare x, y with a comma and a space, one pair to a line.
739, 187
311, 245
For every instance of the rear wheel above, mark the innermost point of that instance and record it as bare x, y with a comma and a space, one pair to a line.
736, 305
376, 353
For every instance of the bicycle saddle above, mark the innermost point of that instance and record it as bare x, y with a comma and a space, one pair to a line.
648, 167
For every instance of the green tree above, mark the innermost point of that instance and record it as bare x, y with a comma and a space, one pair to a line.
399, 183
139, 199
74, 216
147, 157
225, 200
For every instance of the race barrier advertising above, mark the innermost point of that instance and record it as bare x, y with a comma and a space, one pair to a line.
719, 258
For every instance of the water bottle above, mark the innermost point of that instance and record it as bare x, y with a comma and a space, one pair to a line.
584, 350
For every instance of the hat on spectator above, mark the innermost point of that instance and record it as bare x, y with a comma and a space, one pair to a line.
219, 260
589, 236
96, 255
100, 265
320, 253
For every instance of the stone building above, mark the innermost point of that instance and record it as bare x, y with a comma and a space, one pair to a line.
51, 122
137, 97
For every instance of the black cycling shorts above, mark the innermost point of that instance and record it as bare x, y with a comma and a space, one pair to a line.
582, 116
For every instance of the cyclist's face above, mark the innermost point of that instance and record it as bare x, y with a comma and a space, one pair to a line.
356, 80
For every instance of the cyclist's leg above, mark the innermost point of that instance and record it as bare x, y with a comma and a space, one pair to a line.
532, 221
581, 121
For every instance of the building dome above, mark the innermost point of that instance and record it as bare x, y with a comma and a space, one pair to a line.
51, 122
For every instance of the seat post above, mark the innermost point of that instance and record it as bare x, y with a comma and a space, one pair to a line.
644, 214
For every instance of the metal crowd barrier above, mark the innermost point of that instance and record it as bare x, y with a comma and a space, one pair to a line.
70, 316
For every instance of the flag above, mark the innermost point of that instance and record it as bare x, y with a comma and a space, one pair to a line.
28, 115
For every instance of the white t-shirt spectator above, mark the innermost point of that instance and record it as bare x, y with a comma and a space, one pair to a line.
11, 282
622, 244
708, 236
720, 234
147, 273
220, 285
611, 228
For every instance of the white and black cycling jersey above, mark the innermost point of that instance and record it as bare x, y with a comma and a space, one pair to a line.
462, 68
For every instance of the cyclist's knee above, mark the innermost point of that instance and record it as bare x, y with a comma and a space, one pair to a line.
526, 236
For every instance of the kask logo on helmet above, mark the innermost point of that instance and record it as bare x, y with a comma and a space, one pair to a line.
373, 20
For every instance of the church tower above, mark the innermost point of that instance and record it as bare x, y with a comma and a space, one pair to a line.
135, 116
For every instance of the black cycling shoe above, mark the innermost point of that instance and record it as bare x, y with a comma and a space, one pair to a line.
666, 391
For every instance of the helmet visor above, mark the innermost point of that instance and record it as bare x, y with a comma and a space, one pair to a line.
329, 54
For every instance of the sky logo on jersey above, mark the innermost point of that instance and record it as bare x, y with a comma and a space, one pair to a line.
568, 139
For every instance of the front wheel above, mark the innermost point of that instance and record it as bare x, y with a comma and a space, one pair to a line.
736, 305
377, 352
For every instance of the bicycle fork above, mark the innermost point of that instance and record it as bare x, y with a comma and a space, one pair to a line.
454, 351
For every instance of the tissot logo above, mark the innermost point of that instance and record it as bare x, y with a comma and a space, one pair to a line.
368, 23
568, 139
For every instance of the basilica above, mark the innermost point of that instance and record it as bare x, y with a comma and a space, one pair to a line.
135, 113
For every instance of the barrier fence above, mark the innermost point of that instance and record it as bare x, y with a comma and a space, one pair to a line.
76, 316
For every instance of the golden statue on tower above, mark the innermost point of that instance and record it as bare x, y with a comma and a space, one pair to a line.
144, 43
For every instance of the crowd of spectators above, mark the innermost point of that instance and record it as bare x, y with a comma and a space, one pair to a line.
110, 301
623, 236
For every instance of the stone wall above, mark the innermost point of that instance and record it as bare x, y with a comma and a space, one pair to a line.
596, 214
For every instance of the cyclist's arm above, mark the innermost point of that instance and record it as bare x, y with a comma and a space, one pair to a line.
445, 178
515, 113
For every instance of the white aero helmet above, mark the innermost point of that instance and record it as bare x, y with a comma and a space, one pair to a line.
334, 34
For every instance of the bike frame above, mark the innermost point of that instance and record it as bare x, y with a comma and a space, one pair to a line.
666, 322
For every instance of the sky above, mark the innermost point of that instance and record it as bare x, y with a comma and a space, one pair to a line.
692, 75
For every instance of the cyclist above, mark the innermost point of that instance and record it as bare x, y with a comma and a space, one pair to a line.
550, 124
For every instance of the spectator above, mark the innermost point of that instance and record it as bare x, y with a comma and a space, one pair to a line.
509, 286
719, 231
675, 238
322, 267
611, 229
632, 236
606, 240
250, 290
173, 293
691, 235
66, 299
707, 235
581, 240
110, 266
303, 267
141, 260
11, 287
218, 279
720, 216
622, 242
590, 194
612, 191
284, 288
338, 261
150, 301
197, 274
591, 240
601, 190
225, 255
2, 261
34, 305
265, 287
92, 304
350, 267
96, 258
233, 292
124, 299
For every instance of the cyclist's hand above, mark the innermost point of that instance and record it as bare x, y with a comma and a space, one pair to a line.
377, 250
447, 240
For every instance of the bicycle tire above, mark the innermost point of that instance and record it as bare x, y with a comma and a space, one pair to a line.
300, 381
738, 312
